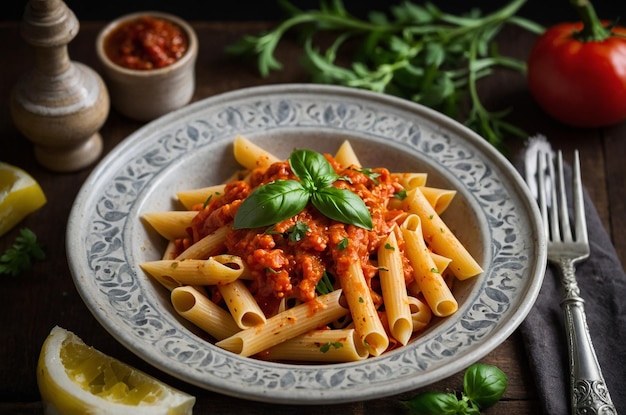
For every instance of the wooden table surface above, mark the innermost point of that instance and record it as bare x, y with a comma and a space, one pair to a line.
45, 296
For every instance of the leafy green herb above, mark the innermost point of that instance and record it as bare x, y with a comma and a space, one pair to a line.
21, 255
390, 247
343, 244
298, 231
483, 386
417, 52
370, 174
326, 347
401, 195
282, 199
325, 285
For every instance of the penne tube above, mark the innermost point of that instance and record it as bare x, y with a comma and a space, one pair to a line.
204, 313
242, 305
441, 240
346, 156
428, 278
421, 314
207, 246
170, 224
286, 325
251, 156
219, 269
394, 290
441, 263
326, 346
439, 199
366, 321
193, 197
170, 251
410, 180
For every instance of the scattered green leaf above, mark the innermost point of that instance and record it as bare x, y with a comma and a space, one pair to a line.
22, 254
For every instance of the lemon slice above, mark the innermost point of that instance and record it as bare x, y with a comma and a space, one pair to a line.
74, 378
20, 195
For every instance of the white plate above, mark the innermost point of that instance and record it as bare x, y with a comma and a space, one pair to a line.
493, 214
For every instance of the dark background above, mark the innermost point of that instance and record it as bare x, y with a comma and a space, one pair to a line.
542, 11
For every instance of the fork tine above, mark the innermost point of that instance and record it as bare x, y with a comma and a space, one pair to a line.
566, 230
579, 204
541, 190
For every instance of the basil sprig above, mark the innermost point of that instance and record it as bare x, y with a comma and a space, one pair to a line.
279, 200
483, 387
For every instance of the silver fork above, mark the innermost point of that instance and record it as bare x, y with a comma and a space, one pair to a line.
588, 390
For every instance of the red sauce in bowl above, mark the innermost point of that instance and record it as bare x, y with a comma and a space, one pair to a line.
146, 43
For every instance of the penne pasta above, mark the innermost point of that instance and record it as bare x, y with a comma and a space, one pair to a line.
426, 275
394, 290
285, 290
218, 269
170, 224
421, 314
170, 250
194, 197
441, 240
204, 313
439, 199
335, 346
366, 321
286, 325
251, 156
410, 180
206, 246
346, 156
242, 305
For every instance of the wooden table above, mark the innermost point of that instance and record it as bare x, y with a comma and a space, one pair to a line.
45, 296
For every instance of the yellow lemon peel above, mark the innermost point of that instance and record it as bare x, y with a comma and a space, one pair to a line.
20, 195
74, 378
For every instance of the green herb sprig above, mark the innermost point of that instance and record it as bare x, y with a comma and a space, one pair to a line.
418, 52
483, 386
22, 254
279, 200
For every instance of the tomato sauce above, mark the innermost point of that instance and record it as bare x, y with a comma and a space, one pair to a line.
283, 268
146, 43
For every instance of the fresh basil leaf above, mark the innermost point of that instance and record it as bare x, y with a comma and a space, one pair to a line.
312, 168
270, 204
484, 384
342, 205
435, 403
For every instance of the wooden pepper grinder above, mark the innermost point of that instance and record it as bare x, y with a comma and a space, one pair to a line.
59, 105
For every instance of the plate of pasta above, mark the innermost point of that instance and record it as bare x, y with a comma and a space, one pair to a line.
306, 244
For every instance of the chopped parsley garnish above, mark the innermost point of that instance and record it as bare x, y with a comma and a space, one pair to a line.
22, 254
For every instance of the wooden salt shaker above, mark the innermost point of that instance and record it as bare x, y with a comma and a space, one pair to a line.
59, 105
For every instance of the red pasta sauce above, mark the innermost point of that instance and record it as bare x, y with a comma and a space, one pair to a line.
146, 43
284, 268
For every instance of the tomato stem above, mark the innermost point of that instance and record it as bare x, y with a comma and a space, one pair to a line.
593, 30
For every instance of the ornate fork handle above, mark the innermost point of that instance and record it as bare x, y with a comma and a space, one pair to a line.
590, 394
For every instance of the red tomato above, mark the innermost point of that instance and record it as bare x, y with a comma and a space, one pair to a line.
582, 84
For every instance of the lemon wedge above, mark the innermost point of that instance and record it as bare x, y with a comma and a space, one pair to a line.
74, 378
20, 195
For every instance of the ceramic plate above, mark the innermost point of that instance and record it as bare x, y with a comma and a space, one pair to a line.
493, 214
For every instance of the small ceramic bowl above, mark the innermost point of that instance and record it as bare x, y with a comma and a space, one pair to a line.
144, 87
